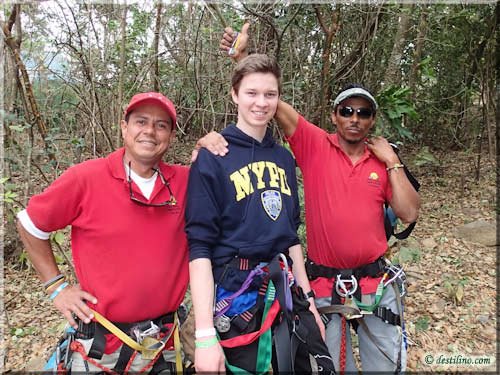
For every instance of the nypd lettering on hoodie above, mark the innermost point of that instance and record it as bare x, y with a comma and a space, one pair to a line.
243, 204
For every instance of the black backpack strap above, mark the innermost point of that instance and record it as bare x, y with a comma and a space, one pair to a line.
389, 229
406, 232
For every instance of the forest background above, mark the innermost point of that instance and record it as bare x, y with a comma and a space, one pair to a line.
70, 67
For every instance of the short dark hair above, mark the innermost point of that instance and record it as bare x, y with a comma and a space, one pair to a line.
256, 63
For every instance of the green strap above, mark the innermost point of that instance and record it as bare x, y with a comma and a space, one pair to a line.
264, 352
378, 297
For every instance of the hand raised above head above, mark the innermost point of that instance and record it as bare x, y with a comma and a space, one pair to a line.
234, 43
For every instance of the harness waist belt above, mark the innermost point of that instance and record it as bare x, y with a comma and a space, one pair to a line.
97, 331
374, 269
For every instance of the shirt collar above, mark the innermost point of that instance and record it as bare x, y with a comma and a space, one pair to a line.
334, 140
115, 164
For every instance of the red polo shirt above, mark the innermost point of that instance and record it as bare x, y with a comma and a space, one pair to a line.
343, 202
132, 258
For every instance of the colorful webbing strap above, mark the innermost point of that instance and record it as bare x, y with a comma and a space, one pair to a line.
177, 346
264, 352
223, 305
154, 346
252, 336
381, 288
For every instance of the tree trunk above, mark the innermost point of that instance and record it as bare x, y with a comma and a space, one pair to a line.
419, 46
392, 74
123, 56
27, 94
475, 56
325, 92
156, 72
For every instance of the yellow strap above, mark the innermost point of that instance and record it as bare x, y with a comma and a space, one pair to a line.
153, 346
177, 346
117, 332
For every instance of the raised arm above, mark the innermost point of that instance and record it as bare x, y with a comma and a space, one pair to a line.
286, 116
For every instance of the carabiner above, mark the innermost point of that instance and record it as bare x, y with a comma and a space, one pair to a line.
340, 283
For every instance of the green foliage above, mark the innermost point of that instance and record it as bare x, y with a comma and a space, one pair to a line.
408, 255
8, 195
425, 158
394, 104
22, 332
422, 323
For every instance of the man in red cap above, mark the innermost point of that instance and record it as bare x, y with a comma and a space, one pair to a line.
129, 247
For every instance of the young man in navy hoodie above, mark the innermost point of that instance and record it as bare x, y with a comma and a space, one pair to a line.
242, 216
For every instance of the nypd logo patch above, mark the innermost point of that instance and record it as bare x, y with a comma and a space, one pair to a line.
271, 201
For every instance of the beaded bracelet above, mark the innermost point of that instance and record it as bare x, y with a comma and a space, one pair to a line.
58, 290
206, 344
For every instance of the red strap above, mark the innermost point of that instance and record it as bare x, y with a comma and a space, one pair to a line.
77, 346
342, 359
252, 336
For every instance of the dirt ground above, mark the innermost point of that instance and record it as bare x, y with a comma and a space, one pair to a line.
451, 303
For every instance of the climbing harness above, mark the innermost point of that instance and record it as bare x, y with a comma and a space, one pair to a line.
348, 302
282, 321
149, 338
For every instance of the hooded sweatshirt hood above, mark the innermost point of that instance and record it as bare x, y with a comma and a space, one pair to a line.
236, 136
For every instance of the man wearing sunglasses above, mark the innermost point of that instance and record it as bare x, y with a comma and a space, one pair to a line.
129, 247
347, 178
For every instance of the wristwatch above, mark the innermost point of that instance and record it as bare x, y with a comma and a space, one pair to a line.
310, 294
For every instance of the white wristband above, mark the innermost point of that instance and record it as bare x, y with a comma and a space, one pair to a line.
200, 333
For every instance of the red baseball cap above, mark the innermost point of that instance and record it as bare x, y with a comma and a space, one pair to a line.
153, 98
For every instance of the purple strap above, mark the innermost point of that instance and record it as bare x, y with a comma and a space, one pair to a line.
288, 293
224, 304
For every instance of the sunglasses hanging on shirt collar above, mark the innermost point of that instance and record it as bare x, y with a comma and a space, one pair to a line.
170, 202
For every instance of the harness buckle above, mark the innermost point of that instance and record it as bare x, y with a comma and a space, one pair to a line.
341, 288
140, 334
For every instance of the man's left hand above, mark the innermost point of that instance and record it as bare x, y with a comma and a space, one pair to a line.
382, 150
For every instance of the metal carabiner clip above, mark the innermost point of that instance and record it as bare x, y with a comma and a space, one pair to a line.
341, 288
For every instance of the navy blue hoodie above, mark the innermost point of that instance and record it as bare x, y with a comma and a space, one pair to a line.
243, 204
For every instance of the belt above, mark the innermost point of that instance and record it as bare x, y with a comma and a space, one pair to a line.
374, 269
97, 331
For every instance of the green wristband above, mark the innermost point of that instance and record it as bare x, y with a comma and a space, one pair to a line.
207, 343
